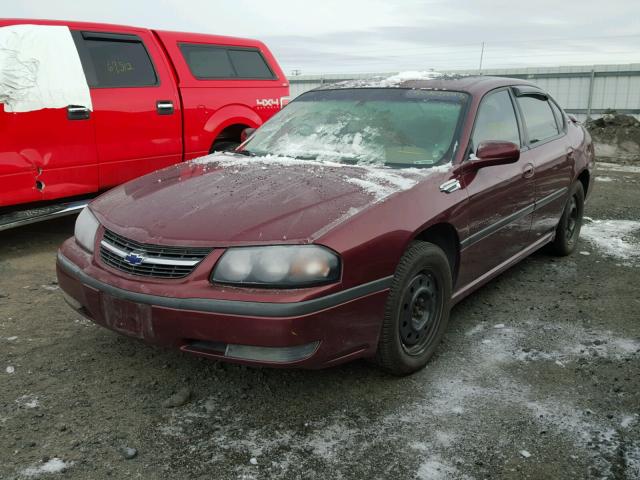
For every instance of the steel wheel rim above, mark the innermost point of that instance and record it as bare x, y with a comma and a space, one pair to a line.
419, 312
572, 220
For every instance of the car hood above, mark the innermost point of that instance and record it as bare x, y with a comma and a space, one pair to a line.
228, 199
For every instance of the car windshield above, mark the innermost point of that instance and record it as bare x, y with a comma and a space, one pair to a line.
375, 126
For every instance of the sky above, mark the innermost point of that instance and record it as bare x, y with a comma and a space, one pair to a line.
364, 36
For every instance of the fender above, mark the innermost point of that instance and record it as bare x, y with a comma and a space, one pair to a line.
230, 115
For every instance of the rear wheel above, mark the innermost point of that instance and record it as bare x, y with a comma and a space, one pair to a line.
417, 310
568, 229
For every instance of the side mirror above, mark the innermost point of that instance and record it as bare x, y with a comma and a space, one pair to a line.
246, 133
495, 153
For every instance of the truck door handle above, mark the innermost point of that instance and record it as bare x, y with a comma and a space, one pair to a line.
77, 112
528, 170
164, 107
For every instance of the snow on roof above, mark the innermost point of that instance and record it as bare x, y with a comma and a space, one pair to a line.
392, 81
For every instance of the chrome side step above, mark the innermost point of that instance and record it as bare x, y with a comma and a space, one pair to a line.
39, 214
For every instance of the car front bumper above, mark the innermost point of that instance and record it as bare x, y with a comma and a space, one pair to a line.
316, 333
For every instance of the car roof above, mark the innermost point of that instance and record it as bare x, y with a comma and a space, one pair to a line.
476, 85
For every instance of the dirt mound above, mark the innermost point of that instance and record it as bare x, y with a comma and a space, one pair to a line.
616, 137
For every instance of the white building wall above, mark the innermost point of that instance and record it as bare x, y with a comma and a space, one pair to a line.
614, 86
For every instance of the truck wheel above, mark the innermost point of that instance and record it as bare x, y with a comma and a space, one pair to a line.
417, 310
568, 229
224, 146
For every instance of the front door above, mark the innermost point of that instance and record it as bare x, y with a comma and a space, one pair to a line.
46, 152
501, 197
136, 105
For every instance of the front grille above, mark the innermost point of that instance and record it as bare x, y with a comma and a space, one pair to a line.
159, 261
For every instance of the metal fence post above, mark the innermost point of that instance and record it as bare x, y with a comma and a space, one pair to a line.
590, 99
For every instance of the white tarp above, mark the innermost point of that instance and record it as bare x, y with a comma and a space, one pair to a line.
40, 68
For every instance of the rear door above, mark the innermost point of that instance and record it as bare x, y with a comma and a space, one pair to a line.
548, 149
136, 104
501, 197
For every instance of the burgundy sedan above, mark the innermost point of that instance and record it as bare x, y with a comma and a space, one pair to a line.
347, 226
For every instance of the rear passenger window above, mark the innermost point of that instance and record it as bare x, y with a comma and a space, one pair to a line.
215, 62
249, 64
538, 118
208, 62
119, 63
496, 120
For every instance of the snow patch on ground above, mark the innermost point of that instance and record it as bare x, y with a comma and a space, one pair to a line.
628, 420
28, 401
614, 238
436, 469
582, 429
605, 179
614, 167
632, 461
328, 441
54, 465
443, 402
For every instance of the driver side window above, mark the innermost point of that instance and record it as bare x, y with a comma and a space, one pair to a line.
496, 120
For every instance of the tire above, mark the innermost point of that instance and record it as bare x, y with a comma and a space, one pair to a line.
417, 310
224, 146
568, 229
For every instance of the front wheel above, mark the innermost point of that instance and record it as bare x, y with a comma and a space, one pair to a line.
417, 310
568, 229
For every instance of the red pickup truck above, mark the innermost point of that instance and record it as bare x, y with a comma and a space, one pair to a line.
157, 98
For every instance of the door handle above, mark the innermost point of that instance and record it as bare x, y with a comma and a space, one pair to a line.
77, 112
164, 107
528, 170
570, 152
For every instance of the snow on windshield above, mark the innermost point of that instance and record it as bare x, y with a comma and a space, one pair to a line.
321, 141
383, 126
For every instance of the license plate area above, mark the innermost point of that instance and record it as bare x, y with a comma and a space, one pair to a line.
128, 318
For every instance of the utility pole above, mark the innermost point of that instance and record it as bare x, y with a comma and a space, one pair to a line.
481, 55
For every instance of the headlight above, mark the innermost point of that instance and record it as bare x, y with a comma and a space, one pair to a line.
86, 229
277, 266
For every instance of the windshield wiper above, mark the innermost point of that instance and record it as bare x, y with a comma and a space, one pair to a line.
245, 152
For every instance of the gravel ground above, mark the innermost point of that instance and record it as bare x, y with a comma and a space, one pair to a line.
538, 377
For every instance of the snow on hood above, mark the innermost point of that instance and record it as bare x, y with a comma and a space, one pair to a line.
227, 198
40, 68
378, 181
